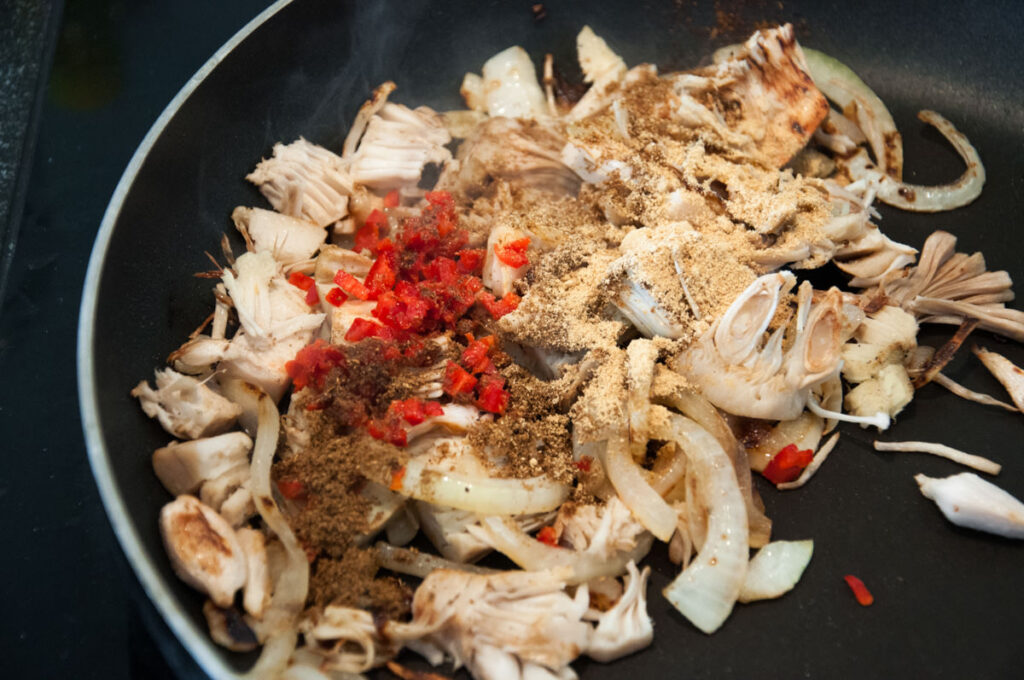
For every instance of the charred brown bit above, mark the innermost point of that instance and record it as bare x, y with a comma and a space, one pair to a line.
945, 354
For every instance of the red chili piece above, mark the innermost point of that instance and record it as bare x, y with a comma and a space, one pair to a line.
787, 464
391, 199
474, 358
370, 233
499, 308
336, 297
547, 536
301, 281
361, 328
457, 380
493, 395
292, 489
396, 479
513, 253
351, 285
860, 591
312, 364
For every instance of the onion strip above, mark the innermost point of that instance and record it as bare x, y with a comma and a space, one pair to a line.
292, 584
419, 564
482, 495
940, 197
703, 412
775, 569
706, 591
839, 83
508, 538
978, 463
630, 482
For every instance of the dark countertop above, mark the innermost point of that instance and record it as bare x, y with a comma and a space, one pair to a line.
74, 608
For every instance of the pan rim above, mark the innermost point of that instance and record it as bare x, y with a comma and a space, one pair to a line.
171, 610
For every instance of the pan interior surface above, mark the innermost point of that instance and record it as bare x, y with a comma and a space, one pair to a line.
943, 601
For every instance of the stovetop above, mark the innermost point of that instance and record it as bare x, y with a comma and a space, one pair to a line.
73, 605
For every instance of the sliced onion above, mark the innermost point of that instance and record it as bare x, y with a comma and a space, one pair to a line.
292, 584
704, 413
482, 495
775, 569
918, 198
706, 590
630, 482
419, 564
506, 537
840, 84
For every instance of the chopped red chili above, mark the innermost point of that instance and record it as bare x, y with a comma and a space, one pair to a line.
471, 261
292, 489
361, 328
457, 380
442, 205
391, 199
584, 463
493, 395
336, 297
513, 253
548, 536
382, 274
499, 308
351, 285
787, 464
301, 281
396, 479
860, 591
312, 364
370, 233
474, 358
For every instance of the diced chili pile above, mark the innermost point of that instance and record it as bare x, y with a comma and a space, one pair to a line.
423, 280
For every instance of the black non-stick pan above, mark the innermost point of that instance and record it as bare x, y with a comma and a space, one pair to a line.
947, 600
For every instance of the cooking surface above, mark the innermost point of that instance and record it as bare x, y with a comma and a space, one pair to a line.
946, 602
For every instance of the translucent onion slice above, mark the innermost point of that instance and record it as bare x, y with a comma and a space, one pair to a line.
775, 569
530, 554
482, 495
630, 482
703, 412
838, 82
419, 564
941, 197
706, 590
291, 586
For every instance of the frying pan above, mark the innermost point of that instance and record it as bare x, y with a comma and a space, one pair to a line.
946, 599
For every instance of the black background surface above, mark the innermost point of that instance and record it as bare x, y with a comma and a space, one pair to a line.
947, 603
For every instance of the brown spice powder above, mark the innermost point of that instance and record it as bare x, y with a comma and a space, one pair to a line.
352, 581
